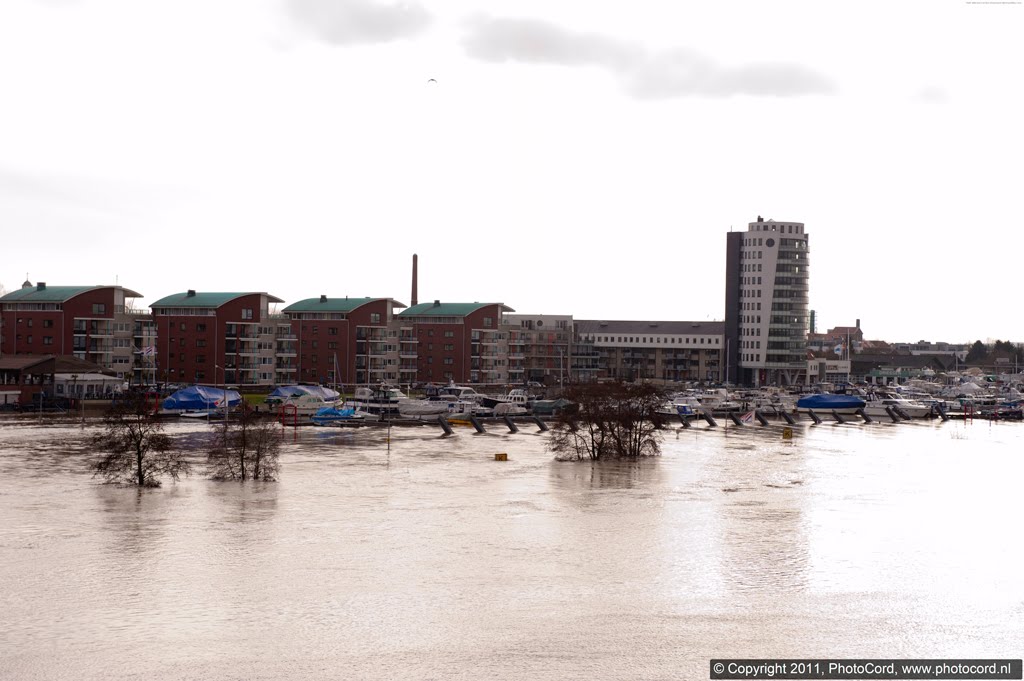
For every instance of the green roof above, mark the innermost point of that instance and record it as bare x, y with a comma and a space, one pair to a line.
332, 304
199, 299
448, 309
55, 294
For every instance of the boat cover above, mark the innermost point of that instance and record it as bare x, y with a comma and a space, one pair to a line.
200, 397
829, 401
286, 391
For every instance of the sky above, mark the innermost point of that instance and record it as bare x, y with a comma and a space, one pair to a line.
559, 157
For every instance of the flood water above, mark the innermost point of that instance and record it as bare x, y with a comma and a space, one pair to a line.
435, 561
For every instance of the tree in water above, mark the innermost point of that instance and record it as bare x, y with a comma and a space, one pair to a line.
610, 420
137, 450
248, 449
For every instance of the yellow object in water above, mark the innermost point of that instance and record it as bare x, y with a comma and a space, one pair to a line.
501, 456
787, 433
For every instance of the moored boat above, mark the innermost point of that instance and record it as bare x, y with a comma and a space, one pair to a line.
333, 416
828, 402
304, 400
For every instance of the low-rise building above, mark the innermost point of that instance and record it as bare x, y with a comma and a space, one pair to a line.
89, 322
541, 348
215, 338
345, 340
460, 342
662, 350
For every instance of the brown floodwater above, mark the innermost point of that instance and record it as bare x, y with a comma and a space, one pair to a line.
434, 561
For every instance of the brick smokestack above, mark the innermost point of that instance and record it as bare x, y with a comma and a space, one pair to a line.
415, 276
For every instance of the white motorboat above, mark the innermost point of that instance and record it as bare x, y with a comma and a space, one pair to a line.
878, 402
381, 402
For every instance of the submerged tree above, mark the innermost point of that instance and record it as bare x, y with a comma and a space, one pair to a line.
137, 450
247, 449
610, 420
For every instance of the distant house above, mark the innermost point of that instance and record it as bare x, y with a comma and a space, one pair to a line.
887, 369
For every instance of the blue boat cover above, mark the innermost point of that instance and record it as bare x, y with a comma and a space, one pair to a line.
286, 391
829, 401
197, 397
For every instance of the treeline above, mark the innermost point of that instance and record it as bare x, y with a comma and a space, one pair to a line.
982, 353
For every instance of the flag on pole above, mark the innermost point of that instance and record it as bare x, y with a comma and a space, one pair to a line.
748, 417
838, 349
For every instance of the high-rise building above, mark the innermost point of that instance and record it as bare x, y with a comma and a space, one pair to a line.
766, 287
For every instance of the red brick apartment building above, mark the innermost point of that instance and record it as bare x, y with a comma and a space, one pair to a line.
89, 322
347, 340
460, 342
216, 338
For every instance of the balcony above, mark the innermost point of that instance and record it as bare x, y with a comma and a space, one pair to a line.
407, 355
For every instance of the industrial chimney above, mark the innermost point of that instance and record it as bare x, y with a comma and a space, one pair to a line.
415, 276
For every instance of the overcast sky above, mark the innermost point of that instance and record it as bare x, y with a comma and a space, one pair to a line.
560, 157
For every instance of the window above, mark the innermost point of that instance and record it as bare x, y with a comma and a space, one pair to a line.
449, 334
316, 329
200, 342
375, 317
47, 340
247, 313
99, 308
200, 328
488, 322
449, 360
181, 342
332, 345
332, 331
449, 347
200, 359
47, 323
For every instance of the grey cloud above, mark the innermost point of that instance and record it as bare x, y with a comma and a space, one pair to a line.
932, 94
642, 73
353, 22
538, 42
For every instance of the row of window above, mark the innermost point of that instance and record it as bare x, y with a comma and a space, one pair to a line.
671, 340
785, 229
47, 340
28, 321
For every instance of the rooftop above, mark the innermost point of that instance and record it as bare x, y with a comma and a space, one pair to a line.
41, 293
439, 309
200, 299
324, 304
